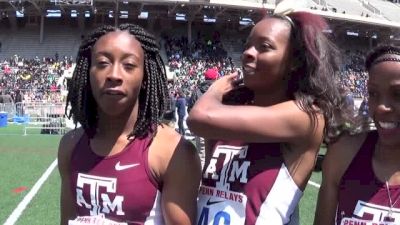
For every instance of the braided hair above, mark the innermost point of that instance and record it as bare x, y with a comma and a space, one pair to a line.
383, 53
152, 96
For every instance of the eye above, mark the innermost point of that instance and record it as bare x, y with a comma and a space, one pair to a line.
396, 95
246, 45
265, 46
102, 63
372, 94
129, 66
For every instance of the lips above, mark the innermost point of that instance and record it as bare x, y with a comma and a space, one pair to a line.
388, 129
249, 70
115, 92
388, 125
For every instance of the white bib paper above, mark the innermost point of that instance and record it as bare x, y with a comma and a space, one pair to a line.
217, 206
354, 221
94, 220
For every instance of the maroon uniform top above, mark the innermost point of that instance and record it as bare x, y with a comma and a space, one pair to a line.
247, 184
362, 195
120, 186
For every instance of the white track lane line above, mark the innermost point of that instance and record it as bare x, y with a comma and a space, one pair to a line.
314, 184
22, 205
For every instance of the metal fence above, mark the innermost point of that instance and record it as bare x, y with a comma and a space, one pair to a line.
48, 117
9, 108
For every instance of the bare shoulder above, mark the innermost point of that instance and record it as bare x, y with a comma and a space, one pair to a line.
347, 145
66, 146
69, 140
167, 137
340, 154
169, 147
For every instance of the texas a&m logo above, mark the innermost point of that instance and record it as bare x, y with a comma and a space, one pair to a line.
99, 203
377, 211
234, 167
381, 215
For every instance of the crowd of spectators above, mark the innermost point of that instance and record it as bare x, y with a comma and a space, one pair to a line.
34, 79
190, 63
354, 76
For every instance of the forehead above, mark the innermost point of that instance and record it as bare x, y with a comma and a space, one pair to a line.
385, 73
274, 28
118, 41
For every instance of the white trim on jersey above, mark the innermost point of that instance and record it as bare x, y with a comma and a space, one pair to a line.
281, 202
155, 216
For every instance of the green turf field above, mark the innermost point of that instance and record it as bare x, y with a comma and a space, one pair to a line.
23, 160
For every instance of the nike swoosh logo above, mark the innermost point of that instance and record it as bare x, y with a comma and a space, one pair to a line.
209, 202
119, 167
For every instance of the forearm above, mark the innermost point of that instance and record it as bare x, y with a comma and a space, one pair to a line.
326, 206
199, 116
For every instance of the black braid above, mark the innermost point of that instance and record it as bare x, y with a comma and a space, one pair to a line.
152, 96
375, 56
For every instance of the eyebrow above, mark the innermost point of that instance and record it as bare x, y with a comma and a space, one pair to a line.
109, 55
267, 38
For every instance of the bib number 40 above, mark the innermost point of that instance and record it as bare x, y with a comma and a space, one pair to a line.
221, 216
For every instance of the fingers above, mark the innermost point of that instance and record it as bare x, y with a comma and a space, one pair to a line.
232, 75
237, 82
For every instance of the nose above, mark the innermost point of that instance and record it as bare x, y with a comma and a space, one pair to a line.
115, 74
249, 54
384, 106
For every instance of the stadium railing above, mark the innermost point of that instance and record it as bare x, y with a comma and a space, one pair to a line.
49, 117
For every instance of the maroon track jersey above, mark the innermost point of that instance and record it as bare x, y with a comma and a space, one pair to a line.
120, 186
362, 196
247, 184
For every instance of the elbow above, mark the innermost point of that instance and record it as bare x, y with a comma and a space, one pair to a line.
196, 121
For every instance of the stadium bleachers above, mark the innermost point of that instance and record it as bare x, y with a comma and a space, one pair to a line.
26, 42
353, 7
389, 10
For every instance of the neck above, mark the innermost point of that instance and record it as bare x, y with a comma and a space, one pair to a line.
272, 96
115, 126
265, 99
386, 163
387, 153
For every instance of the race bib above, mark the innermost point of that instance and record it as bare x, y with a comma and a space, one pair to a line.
94, 220
216, 207
354, 221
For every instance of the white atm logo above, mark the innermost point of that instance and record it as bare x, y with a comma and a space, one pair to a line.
233, 168
93, 204
377, 211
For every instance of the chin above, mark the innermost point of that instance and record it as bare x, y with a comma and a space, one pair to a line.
249, 82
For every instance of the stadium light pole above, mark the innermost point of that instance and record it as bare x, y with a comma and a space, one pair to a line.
116, 14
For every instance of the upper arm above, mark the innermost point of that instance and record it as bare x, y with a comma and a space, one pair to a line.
336, 161
66, 146
208, 148
180, 185
284, 122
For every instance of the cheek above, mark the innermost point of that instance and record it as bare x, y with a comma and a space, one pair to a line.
94, 82
137, 84
271, 65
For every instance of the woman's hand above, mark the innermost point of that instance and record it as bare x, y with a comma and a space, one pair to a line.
222, 86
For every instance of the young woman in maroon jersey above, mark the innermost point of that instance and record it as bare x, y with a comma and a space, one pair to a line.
361, 173
257, 174
122, 164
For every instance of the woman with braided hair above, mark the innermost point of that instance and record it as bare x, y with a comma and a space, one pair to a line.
123, 166
361, 173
